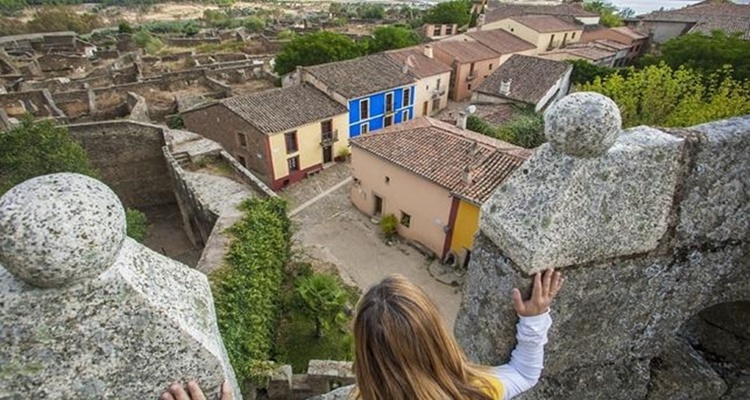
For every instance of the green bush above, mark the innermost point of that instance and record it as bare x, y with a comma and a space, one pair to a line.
247, 288
137, 224
388, 225
324, 300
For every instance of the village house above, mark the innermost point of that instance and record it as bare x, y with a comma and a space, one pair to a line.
546, 32
439, 31
280, 134
703, 17
431, 93
377, 91
496, 12
504, 43
526, 80
592, 54
637, 42
471, 63
619, 52
433, 177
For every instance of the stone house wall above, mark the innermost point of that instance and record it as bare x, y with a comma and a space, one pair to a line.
129, 157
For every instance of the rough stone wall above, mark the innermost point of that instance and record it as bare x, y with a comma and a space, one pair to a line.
129, 157
649, 228
38, 103
88, 313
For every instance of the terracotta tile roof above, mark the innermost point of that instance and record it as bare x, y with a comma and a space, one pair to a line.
282, 109
440, 152
466, 52
611, 44
497, 114
362, 76
501, 41
630, 32
531, 78
729, 25
422, 66
546, 23
499, 11
700, 10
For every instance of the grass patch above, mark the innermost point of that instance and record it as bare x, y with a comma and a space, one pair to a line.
296, 343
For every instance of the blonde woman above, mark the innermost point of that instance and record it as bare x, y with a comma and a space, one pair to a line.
404, 352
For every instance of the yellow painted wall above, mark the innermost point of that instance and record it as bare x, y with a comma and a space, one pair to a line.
308, 141
466, 225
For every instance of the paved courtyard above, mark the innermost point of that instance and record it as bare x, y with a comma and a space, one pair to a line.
333, 231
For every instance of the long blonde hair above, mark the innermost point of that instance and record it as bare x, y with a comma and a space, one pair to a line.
404, 352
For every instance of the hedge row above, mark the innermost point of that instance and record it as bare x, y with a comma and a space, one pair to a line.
246, 289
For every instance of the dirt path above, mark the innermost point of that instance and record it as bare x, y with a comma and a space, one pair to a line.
332, 230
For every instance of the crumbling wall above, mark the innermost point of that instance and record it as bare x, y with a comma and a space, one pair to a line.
38, 103
649, 227
129, 157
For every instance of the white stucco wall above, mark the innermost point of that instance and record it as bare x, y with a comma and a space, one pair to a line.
425, 89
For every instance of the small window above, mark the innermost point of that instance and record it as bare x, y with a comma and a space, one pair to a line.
364, 128
405, 115
470, 86
438, 83
407, 97
293, 163
364, 109
389, 102
512, 30
290, 139
436, 31
490, 66
242, 139
449, 30
242, 161
573, 36
388, 121
405, 219
387, 180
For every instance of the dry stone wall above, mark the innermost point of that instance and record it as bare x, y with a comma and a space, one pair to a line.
650, 227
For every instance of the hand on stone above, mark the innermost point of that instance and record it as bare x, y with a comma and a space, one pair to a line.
177, 392
545, 289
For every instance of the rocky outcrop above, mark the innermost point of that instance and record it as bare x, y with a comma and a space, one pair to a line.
650, 228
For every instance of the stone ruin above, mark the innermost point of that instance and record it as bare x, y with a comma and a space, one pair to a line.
88, 313
650, 228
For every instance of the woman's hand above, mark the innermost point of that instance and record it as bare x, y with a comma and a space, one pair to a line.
177, 392
545, 289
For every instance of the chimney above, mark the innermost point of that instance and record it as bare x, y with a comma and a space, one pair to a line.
428, 51
461, 121
505, 86
480, 20
466, 175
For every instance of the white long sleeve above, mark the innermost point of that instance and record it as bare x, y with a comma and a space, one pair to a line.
527, 359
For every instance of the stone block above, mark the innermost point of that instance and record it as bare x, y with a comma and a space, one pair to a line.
326, 375
557, 210
95, 315
680, 372
607, 313
342, 393
280, 383
716, 203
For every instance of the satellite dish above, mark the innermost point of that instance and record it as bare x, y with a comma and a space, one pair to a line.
471, 109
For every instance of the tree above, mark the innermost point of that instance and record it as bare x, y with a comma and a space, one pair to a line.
147, 41
452, 12
584, 71
709, 54
661, 96
317, 48
609, 14
324, 300
54, 19
371, 11
526, 129
124, 27
254, 24
11, 7
391, 37
39, 148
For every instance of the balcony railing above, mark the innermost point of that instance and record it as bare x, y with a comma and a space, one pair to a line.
329, 138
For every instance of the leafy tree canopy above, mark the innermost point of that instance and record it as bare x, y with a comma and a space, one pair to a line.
609, 13
584, 71
661, 96
317, 48
526, 129
452, 12
391, 37
708, 54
